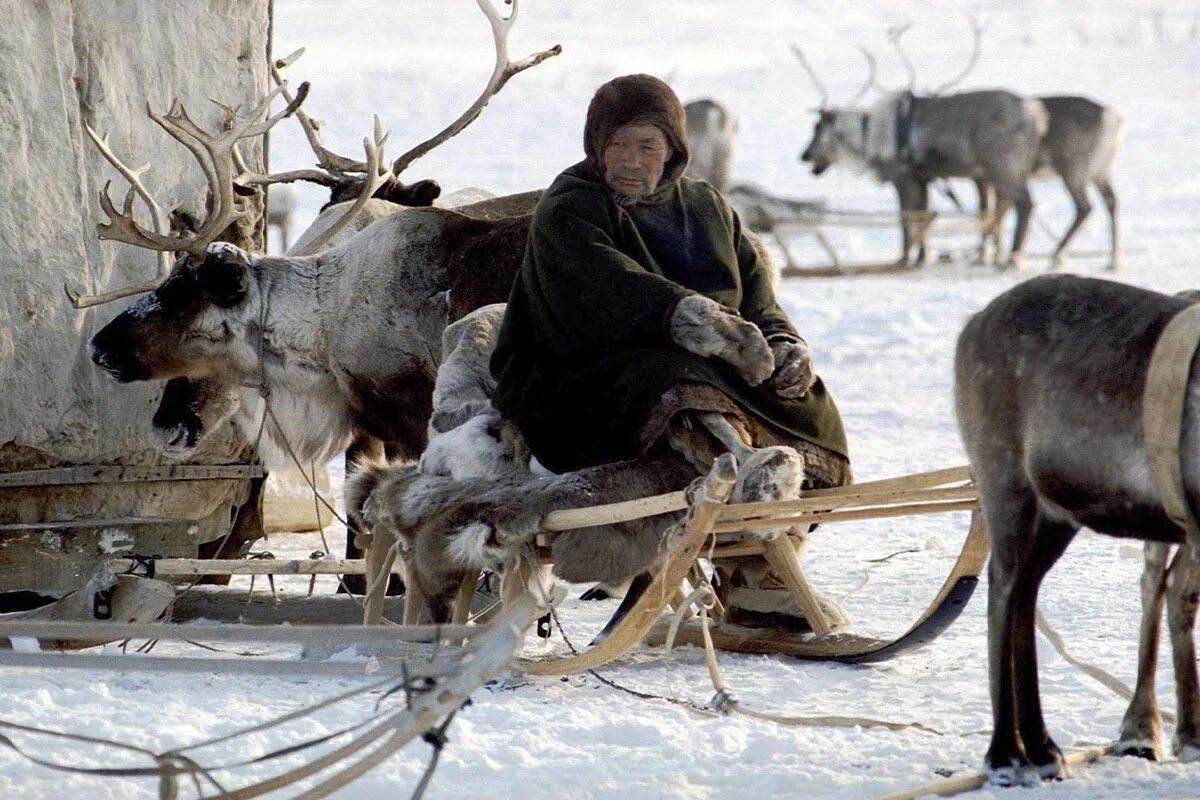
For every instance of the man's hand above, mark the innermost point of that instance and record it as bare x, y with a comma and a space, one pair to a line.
793, 368
707, 328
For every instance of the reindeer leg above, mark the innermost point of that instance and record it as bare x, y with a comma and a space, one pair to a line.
1050, 540
914, 197
363, 449
993, 230
1023, 202
1183, 597
1083, 208
1141, 728
1018, 562
1110, 203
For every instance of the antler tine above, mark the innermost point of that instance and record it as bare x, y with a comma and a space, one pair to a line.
894, 33
337, 167
503, 71
977, 30
134, 177
376, 174
870, 81
812, 74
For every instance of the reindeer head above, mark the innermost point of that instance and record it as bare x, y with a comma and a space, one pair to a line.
822, 149
191, 325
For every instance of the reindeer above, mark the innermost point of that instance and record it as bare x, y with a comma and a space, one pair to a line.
1080, 145
1049, 388
908, 140
711, 132
344, 341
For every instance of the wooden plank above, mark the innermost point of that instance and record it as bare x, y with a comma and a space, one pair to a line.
57, 557
227, 604
110, 473
254, 566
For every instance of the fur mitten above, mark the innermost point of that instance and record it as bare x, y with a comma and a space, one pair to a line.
793, 367
707, 328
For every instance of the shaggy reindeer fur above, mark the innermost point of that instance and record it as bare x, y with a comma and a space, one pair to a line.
453, 527
467, 436
1048, 387
346, 341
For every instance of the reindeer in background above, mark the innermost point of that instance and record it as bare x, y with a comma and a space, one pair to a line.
712, 130
908, 140
1078, 142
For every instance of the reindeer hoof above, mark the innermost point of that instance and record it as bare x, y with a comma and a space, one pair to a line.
1013, 776
1187, 753
1141, 747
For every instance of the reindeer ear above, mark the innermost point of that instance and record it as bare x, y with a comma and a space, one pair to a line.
224, 274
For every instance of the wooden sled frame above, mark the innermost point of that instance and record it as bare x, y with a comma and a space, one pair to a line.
702, 535
641, 616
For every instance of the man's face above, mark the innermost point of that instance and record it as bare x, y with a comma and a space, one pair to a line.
635, 158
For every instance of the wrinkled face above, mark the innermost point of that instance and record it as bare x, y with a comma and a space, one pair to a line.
822, 151
185, 327
635, 158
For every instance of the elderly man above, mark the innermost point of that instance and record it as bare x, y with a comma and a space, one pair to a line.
644, 320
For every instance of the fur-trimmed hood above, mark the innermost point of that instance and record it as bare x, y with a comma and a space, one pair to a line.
641, 99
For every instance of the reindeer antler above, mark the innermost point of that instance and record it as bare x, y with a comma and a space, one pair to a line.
894, 34
501, 73
812, 74
336, 171
216, 155
977, 29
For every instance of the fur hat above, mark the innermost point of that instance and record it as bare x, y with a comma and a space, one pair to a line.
641, 99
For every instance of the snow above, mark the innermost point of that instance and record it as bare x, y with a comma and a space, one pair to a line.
883, 345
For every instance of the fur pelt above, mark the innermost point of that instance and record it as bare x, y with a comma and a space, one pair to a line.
467, 436
452, 527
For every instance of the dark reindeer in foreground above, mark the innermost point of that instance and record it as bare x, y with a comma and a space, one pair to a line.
1048, 386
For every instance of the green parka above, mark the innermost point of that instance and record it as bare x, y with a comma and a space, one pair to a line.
584, 352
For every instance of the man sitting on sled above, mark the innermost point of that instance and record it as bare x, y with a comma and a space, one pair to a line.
643, 325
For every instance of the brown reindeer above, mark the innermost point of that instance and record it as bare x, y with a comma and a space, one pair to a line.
1049, 382
345, 340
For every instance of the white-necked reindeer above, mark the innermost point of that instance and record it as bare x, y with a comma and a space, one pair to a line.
908, 140
345, 341
1049, 385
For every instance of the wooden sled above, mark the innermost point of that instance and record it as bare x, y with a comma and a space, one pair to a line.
704, 535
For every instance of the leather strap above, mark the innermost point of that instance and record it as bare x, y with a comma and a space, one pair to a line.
1162, 414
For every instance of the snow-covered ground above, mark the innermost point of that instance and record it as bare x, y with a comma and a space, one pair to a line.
883, 344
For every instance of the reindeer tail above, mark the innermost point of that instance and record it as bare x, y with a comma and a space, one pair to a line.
357, 493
